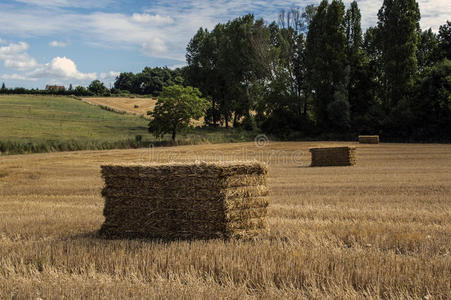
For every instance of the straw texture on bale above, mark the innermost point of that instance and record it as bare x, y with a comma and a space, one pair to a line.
333, 156
172, 201
368, 139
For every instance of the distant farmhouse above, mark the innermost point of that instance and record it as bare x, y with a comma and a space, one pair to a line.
55, 88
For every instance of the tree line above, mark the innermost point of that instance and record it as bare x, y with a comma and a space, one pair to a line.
315, 73
95, 88
312, 73
148, 82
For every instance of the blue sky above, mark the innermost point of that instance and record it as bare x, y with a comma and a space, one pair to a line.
76, 41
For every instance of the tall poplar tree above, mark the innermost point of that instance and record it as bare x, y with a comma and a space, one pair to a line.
328, 73
399, 32
354, 56
444, 37
361, 86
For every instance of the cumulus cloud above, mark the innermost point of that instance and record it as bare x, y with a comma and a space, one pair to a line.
433, 12
155, 46
16, 76
158, 35
176, 66
57, 44
110, 75
14, 56
66, 3
154, 19
62, 68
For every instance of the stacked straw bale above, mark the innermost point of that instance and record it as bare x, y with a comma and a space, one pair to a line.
333, 156
185, 201
368, 139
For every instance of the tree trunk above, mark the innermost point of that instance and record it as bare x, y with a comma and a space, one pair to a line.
305, 104
213, 111
173, 135
235, 120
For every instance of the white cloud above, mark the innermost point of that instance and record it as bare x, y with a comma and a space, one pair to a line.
158, 35
154, 19
61, 68
110, 75
2, 41
173, 67
433, 12
66, 3
57, 44
14, 56
16, 76
155, 46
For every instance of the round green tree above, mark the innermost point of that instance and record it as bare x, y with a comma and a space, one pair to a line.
98, 88
175, 108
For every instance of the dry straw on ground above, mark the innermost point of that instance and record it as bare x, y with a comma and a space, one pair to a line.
172, 201
333, 156
368, 139
380, 230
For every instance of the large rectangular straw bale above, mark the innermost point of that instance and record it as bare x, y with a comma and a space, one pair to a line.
368, 139
215, 200
333, 156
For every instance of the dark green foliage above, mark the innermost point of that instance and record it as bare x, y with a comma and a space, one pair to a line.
81, 91
126, 82
444, 38
150, 81
363, 58
398, 28
338, 110
98, 88
249, 123
176, 107
227, 64
315, 73
431, 106
11, 147
326, 64
428, 52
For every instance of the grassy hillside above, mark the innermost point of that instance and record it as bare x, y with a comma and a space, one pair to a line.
56, 123
38, 118
379, 230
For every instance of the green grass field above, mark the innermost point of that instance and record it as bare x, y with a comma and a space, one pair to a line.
51, 118
31, 124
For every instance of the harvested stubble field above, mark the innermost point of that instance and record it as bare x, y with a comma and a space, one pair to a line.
380, 229
135, 106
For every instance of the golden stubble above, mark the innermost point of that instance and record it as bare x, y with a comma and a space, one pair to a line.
135, 106
380, 229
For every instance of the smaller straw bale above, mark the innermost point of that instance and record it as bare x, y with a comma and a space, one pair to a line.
368, 139
333, 156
